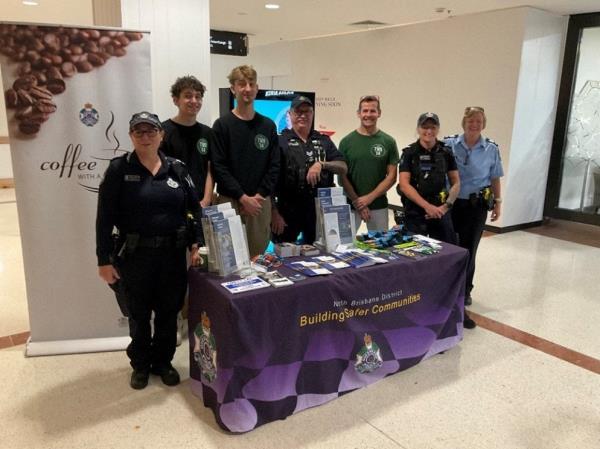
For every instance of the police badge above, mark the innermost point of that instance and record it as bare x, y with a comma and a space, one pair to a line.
88, 115
368, 359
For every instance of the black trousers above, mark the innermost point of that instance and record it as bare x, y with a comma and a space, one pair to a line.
300, 216
155, 280
439, 229
469, 221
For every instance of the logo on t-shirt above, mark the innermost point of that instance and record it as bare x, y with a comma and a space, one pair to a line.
378, 150
202, 146
261, 142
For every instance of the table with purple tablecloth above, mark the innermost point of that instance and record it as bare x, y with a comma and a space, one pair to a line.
265, 354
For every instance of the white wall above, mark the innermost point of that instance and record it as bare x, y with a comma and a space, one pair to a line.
535, 112
180, 34
439, 66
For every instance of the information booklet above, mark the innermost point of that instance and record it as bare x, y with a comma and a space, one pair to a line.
244, 285
309, 269
231, 246
358, 259
276, 279
330, 191
337, 226
330, 262
333, 230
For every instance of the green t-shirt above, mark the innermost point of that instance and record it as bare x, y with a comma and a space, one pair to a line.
368, 158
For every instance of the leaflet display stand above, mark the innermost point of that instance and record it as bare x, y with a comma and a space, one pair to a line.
335, 220
225, 237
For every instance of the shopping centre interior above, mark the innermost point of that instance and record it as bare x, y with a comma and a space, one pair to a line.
526, 377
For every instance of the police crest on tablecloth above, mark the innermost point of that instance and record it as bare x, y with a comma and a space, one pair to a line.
205, 349
368, 358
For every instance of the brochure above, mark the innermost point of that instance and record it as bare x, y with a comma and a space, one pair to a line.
309, 268
337, 226
330, 191
210, 210
244, 285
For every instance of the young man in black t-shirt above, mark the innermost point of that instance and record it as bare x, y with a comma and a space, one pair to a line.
246, 159
188, 140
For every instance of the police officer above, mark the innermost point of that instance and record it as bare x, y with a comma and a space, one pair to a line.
147, 196
426, 168
480, 169
309, 160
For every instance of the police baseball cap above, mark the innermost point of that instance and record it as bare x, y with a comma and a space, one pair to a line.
300, 100
144, 117
428, 116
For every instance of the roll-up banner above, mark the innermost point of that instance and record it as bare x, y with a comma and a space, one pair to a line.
69, 95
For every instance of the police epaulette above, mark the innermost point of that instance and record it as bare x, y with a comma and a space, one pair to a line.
124, 155
488, 140
453, 136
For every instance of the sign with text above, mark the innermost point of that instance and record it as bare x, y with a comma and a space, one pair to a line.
70, 93
228, 43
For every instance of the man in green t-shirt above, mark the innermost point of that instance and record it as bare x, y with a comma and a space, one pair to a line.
372, 158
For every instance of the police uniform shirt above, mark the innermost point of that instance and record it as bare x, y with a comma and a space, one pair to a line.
135, 201
428, 169
298, 156
192, 145
477, 166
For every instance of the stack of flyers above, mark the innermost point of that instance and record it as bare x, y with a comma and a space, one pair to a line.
329, 262
426, 250
354, 259
428, 241
409, 254
276, 279
308, 268
244, 285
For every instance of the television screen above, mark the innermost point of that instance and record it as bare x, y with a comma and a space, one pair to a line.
274, 104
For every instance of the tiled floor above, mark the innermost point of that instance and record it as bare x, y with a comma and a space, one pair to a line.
492, 391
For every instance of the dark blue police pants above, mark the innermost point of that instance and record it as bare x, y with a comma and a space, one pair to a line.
155, 280
300, 216
469, 222
439, 229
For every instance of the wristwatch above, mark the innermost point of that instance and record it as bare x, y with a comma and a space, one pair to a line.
497, 200
449, 204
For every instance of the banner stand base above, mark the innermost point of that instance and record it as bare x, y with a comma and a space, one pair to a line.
60, 347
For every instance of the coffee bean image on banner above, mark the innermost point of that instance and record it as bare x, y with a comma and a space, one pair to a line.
44, 56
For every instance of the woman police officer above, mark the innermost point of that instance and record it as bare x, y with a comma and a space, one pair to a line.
147, 196
480, 169
426, 168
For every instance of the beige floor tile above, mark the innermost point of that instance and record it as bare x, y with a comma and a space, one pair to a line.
541, 285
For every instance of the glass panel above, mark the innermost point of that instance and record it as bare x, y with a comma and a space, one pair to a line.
580, 182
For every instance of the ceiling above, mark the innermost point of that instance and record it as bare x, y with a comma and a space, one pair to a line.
300, 19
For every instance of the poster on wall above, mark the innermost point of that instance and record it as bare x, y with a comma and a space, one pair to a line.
70, 93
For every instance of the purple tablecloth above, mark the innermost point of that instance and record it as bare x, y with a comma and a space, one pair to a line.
263, 355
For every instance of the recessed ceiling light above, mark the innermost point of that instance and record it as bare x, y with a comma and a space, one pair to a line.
271, 6
30, 2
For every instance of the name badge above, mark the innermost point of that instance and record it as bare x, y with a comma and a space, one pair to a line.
133, 178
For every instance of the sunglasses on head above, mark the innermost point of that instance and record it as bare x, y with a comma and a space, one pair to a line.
474, 109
